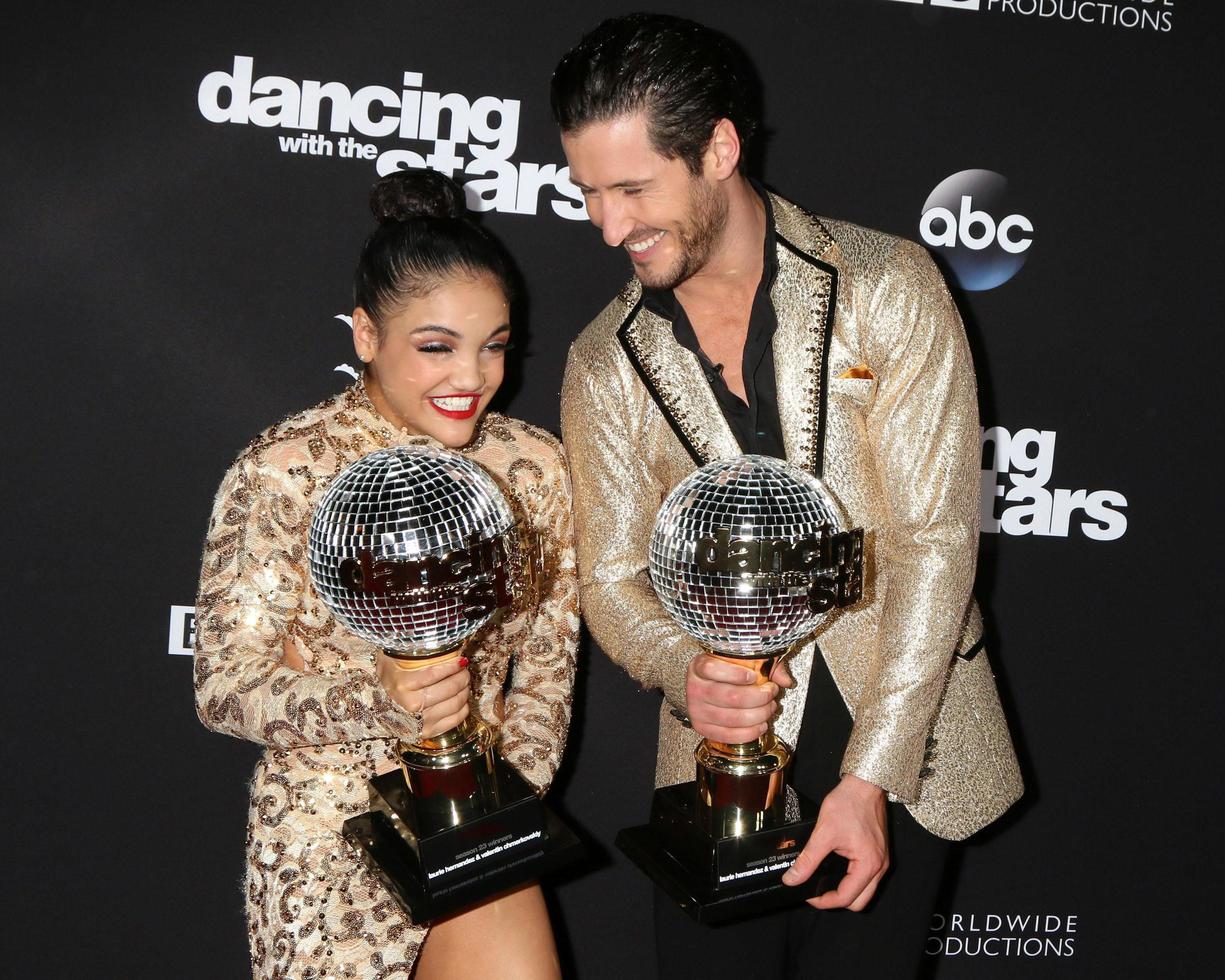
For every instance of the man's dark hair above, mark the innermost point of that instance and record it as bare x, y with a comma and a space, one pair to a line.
684, 76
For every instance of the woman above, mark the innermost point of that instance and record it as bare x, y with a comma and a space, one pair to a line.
431, 325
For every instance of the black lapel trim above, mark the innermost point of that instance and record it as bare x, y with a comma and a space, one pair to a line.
818, 462
973, 651
640, 368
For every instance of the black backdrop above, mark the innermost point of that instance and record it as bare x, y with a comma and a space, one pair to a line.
171, 287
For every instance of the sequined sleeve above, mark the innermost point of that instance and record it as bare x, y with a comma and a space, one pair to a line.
540, 692
923, 428
251, 585
616, 498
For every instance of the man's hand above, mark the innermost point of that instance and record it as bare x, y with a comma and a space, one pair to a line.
729, 703
851, 823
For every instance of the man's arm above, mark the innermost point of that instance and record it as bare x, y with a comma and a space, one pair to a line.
923, 428
616, 499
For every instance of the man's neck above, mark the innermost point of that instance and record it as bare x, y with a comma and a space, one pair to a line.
735, 268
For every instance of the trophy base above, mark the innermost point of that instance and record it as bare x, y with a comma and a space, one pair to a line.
433, 866
720, 879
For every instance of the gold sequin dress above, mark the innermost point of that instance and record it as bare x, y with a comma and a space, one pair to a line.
313, 910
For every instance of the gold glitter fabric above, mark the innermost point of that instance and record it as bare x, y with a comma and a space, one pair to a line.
313, 910
876, 394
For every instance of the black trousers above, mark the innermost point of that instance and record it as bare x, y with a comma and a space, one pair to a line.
885, 941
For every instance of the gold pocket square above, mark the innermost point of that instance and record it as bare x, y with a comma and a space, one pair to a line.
859, 371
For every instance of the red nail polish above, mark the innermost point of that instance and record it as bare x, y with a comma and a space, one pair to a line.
463, 661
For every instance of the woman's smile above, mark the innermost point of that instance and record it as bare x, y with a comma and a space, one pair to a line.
460, 406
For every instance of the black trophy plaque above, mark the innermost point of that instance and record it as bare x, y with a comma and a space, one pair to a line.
433, 866
717, 879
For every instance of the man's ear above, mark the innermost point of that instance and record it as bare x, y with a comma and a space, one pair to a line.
723, 151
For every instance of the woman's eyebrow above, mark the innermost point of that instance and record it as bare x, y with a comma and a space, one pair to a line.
437, 328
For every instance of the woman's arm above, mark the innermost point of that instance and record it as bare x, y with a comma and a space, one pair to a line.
251, 584
543, 662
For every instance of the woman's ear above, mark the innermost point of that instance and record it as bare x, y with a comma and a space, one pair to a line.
365, 335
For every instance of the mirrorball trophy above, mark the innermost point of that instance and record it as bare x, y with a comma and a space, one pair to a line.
415, 549
748, 556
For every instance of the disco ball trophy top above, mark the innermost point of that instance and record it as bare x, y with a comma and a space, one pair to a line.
414, 549
723, 559
748, 556
401, 544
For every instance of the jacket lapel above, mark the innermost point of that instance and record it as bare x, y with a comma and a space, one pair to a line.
674, 378
805, 296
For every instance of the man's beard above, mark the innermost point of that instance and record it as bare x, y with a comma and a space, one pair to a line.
696, 238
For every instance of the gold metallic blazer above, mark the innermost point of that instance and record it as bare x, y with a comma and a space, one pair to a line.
877, 397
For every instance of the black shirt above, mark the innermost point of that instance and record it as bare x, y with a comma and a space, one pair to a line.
756, 425
758, 429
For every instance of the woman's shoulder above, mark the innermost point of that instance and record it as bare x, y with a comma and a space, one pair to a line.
505, 443
309, 440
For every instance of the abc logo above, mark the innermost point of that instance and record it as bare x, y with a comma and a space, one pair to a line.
968, 224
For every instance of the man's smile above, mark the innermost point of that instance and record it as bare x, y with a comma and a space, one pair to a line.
641, 247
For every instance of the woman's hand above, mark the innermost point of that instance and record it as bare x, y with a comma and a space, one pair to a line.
438, 693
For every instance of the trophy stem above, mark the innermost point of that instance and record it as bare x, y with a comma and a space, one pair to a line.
741, 784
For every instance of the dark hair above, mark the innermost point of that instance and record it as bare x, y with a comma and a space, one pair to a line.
424, 237
686, 77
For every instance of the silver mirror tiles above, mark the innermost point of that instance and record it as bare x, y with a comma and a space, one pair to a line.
734, 552
403, 546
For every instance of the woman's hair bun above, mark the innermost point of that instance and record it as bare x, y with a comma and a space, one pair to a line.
406, 194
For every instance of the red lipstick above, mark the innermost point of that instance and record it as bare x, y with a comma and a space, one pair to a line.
450, 407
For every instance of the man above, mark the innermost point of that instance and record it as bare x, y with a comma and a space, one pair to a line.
753, 326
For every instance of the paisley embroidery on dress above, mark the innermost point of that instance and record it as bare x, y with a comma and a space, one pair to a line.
312, 909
